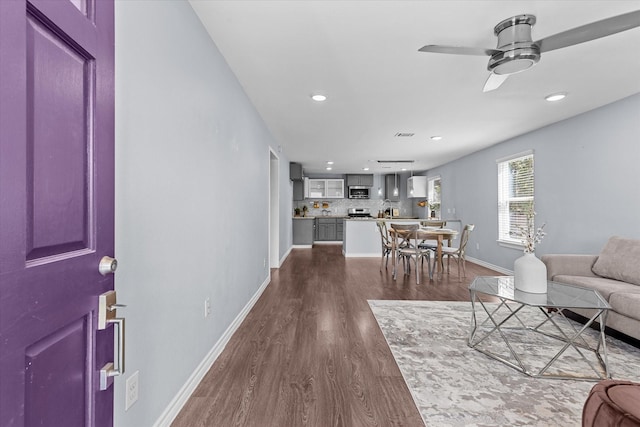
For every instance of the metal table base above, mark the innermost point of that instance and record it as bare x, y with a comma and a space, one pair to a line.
573, 339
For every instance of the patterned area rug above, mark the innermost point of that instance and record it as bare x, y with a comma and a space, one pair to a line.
455, 385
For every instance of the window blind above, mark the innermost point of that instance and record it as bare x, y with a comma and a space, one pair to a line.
515, 195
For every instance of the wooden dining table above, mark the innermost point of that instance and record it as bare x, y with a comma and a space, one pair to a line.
424, 233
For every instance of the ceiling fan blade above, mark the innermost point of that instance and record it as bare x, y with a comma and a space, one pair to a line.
592, 31
458, 50
494, 81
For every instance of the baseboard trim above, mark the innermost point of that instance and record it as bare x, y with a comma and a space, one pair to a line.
284, 257
491, 266
180, 399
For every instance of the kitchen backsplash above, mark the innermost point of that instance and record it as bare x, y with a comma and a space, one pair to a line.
340, 207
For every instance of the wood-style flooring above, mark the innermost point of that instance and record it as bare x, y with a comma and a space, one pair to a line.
310, 352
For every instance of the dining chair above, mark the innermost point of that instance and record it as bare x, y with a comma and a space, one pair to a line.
459, 252
433, 223
400, 241
386, 243
409, 248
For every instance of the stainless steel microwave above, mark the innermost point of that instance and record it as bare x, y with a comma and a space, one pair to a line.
359, 192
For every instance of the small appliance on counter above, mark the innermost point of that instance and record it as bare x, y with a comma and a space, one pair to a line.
391, 212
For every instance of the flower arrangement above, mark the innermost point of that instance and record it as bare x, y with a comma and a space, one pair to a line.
528, 234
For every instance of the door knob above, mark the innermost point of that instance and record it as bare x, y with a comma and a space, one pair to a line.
107, 265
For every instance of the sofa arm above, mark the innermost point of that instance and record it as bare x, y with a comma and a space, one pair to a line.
569, 264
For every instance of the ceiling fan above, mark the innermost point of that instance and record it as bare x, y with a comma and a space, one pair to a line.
517, 52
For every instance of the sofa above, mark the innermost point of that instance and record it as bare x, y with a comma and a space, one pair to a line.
614, 273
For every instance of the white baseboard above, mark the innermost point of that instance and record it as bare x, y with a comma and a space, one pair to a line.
491, 266
176, 404
286, 254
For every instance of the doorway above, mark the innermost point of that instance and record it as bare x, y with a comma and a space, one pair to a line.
274, 210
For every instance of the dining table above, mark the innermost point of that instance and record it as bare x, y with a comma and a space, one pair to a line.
424, 233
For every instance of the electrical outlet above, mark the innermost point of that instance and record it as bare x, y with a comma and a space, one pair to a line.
131, 393
264, 262
207, 307
478, 246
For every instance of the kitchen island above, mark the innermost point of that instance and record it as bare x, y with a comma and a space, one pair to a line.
362, 238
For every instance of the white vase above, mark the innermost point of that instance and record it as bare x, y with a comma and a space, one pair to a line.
530, 274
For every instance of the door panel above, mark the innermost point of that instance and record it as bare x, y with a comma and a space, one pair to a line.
59, 143
56, 210
56, 372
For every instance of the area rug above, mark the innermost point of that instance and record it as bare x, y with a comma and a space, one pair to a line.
455, 385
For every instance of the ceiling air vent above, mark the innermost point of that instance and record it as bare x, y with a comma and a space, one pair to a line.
404, 134
395, 161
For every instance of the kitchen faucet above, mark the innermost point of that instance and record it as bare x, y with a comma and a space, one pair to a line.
384, 202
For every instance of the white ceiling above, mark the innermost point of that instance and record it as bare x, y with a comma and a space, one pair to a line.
363, 55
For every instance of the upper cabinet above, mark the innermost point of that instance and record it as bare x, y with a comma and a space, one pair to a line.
325, 188
364, 180
417, 187
295, 172
298, 190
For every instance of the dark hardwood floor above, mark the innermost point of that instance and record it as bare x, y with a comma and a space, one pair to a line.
310, 352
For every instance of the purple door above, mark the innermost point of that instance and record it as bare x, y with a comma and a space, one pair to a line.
56, 210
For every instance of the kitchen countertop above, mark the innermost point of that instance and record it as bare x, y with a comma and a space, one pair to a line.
397, 218
322, 216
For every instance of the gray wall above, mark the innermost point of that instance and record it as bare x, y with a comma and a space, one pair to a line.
587, 184
192, 188
192, 174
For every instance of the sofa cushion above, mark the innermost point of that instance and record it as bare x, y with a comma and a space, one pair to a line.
626, 303
619, 260
605, 286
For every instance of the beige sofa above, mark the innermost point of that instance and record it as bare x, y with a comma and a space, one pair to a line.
615, 273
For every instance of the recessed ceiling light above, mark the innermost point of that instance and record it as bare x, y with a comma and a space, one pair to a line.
365, 169
555, 96
329, 162
436, 138
328, 168
318, 97
404, 169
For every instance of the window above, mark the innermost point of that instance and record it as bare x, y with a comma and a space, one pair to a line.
433, 195
515, 195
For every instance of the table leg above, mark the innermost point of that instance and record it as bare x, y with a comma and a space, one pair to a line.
393, 253
439, 259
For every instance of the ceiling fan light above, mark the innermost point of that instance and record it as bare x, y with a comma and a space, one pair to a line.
514, 61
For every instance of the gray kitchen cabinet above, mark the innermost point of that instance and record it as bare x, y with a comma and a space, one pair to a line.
295, 172
303, 231
339, 229
390, 182
327, 229
364, 180
298, 190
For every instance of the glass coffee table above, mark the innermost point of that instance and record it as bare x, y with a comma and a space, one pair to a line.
534, 342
